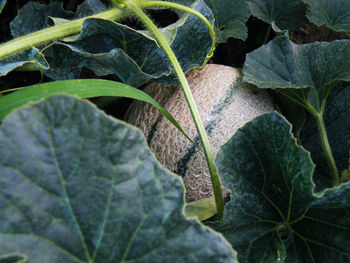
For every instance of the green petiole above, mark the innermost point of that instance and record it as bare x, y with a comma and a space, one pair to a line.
186, 9
51, 33
134, 7
327, 151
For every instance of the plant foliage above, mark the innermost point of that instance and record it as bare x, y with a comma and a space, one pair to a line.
274, 214
32, 59
337, 121
306, 74
285, 14
334, 14
85, 188
109, 47
78, 186
230, 18
308, 71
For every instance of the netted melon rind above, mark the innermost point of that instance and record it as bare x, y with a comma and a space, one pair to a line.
225, 104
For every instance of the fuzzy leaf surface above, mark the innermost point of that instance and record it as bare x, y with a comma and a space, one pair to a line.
293, 68
85, 188
274, 214
334, 14
286, 14
230, 18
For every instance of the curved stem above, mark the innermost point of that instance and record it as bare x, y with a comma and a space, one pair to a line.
135, 9
186, 9
325, 146
51, 33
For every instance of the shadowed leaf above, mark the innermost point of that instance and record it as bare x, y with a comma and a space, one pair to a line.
274, 215
334, 14
286, 14
230, 18
30, 59
107, 47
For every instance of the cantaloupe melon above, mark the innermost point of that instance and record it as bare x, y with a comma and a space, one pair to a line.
225, 104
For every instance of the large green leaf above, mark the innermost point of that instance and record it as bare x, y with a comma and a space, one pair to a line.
109, 47
32, 59
334, 14
78, 186
286, 14
337, 121
285, 65
274, 214
230, 18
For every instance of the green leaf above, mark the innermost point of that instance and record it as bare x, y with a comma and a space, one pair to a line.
39, 15
293, 68
337, 121
286, 14
2, 5
334, 14
203, 209
274, 215
83, 88
32, 58
230, 18
78, 186
108, 47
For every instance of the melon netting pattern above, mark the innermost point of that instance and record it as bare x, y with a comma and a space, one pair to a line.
225, 104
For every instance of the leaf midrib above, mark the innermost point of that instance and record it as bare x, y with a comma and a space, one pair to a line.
107, 211
65, 193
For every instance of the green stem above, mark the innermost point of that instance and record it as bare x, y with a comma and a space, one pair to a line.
135, 9
186, 9
51, 33
325, 146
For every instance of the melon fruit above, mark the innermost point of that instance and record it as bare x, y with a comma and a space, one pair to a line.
225, 104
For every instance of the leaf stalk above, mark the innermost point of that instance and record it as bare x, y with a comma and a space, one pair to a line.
135, 8
52, 33
186, 9
327, 151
